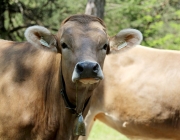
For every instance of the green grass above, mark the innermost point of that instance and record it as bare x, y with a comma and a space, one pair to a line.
100, 131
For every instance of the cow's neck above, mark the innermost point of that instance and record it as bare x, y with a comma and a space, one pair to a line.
80, 97
70, 106
73, 109
47, 109
67, 121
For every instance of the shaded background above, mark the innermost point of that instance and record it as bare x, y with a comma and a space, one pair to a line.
157, 20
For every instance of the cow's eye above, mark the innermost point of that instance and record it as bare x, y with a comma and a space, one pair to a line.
64, 45
105, 46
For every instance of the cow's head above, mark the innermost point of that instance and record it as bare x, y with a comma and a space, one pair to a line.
83, 43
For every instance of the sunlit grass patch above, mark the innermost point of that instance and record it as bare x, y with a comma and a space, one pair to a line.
100, 131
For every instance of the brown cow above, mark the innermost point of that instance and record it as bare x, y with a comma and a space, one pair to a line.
36, 73
140, 96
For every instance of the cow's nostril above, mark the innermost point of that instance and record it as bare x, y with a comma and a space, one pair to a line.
96, 68
80, 68
87, 70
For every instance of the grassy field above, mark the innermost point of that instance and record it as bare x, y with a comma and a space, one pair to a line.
101, 131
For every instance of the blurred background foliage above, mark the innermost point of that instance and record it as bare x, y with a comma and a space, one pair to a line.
157, 20
17, 15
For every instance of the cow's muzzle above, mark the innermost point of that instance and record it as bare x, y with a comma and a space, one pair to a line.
87, 72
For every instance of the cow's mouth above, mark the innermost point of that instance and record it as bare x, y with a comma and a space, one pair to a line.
89, 80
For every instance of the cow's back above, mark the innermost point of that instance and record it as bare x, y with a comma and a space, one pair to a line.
140, 95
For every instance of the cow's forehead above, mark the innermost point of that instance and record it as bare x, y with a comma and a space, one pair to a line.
72, 26
75, 32
97, 25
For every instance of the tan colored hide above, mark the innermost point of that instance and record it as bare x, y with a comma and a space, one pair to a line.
140, 96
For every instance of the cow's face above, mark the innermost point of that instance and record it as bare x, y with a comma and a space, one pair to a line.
83, 48
83, 44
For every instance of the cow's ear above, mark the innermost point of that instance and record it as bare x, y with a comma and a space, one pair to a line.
125, 39
41, 38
